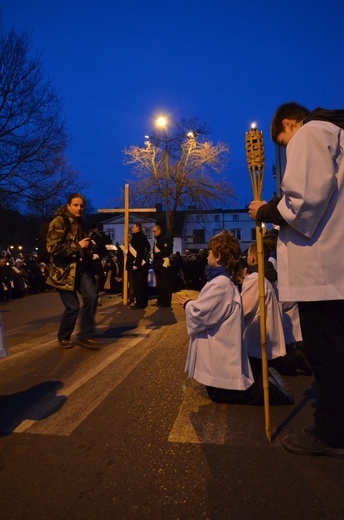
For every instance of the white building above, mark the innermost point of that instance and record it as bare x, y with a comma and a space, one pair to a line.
193, 228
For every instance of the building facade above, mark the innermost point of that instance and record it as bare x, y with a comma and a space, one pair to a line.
195, 227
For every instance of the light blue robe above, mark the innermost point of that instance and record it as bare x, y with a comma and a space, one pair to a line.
310, 250
216, 355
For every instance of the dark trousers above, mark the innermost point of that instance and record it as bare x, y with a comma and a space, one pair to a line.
140, 282
86, 287
254, 395
322, 325
164, 286
131, 294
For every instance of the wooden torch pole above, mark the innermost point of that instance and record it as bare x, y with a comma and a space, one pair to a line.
255, 161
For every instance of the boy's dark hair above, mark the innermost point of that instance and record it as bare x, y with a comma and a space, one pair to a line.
287, 111
227, 246
253, 250
270, 238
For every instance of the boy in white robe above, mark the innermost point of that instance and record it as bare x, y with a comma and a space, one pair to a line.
250, 301
217, 356
311, 260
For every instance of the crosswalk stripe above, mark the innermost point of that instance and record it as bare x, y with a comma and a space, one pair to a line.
58, 424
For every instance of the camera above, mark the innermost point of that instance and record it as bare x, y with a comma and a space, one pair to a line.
94, 240
97, 242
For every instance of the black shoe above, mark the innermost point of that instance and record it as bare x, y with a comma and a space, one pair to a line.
308, 429
280, 393
92, 343
296, 351
65, 343
285, 365
309, 444
137, 306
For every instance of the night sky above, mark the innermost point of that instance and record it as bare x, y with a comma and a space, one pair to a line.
118, 64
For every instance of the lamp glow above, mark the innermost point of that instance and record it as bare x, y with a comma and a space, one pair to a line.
161, 122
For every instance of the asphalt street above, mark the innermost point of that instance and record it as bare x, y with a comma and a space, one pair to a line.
121, 433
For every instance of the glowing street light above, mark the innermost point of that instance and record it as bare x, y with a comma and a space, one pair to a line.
161, 121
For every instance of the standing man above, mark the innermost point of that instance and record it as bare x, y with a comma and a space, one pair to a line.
71, 272
162, 249
310, 256
138, 264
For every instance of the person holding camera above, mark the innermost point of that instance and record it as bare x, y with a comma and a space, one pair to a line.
71, 272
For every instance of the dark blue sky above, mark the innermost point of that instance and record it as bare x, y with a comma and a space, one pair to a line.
118, 64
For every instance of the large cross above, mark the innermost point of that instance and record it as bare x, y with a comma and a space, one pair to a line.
126, 212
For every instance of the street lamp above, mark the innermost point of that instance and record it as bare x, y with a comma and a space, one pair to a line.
162, 123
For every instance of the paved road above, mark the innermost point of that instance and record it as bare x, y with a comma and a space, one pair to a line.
120, 433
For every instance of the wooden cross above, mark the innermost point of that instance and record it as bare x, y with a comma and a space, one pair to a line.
126, 212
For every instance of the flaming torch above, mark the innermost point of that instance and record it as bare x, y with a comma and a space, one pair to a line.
255, 160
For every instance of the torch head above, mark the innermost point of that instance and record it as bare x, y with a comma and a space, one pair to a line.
255, 149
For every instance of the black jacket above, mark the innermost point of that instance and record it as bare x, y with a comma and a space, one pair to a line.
141, 245
165, 247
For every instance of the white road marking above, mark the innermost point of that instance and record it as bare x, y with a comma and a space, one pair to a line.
199, 421
74, 411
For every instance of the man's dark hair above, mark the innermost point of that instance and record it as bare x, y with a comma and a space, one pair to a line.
138, 225
159, 225
76, 196
287, 111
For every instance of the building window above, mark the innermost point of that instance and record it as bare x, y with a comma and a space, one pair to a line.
148, 232
236, 233
198, 236
217, 218
235, 217
111, 233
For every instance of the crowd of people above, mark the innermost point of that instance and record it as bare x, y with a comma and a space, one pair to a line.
21, 276
27, 274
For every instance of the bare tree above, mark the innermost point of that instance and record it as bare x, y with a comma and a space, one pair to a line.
177, 170
33, 139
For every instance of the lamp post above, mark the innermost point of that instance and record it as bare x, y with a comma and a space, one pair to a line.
162, 122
